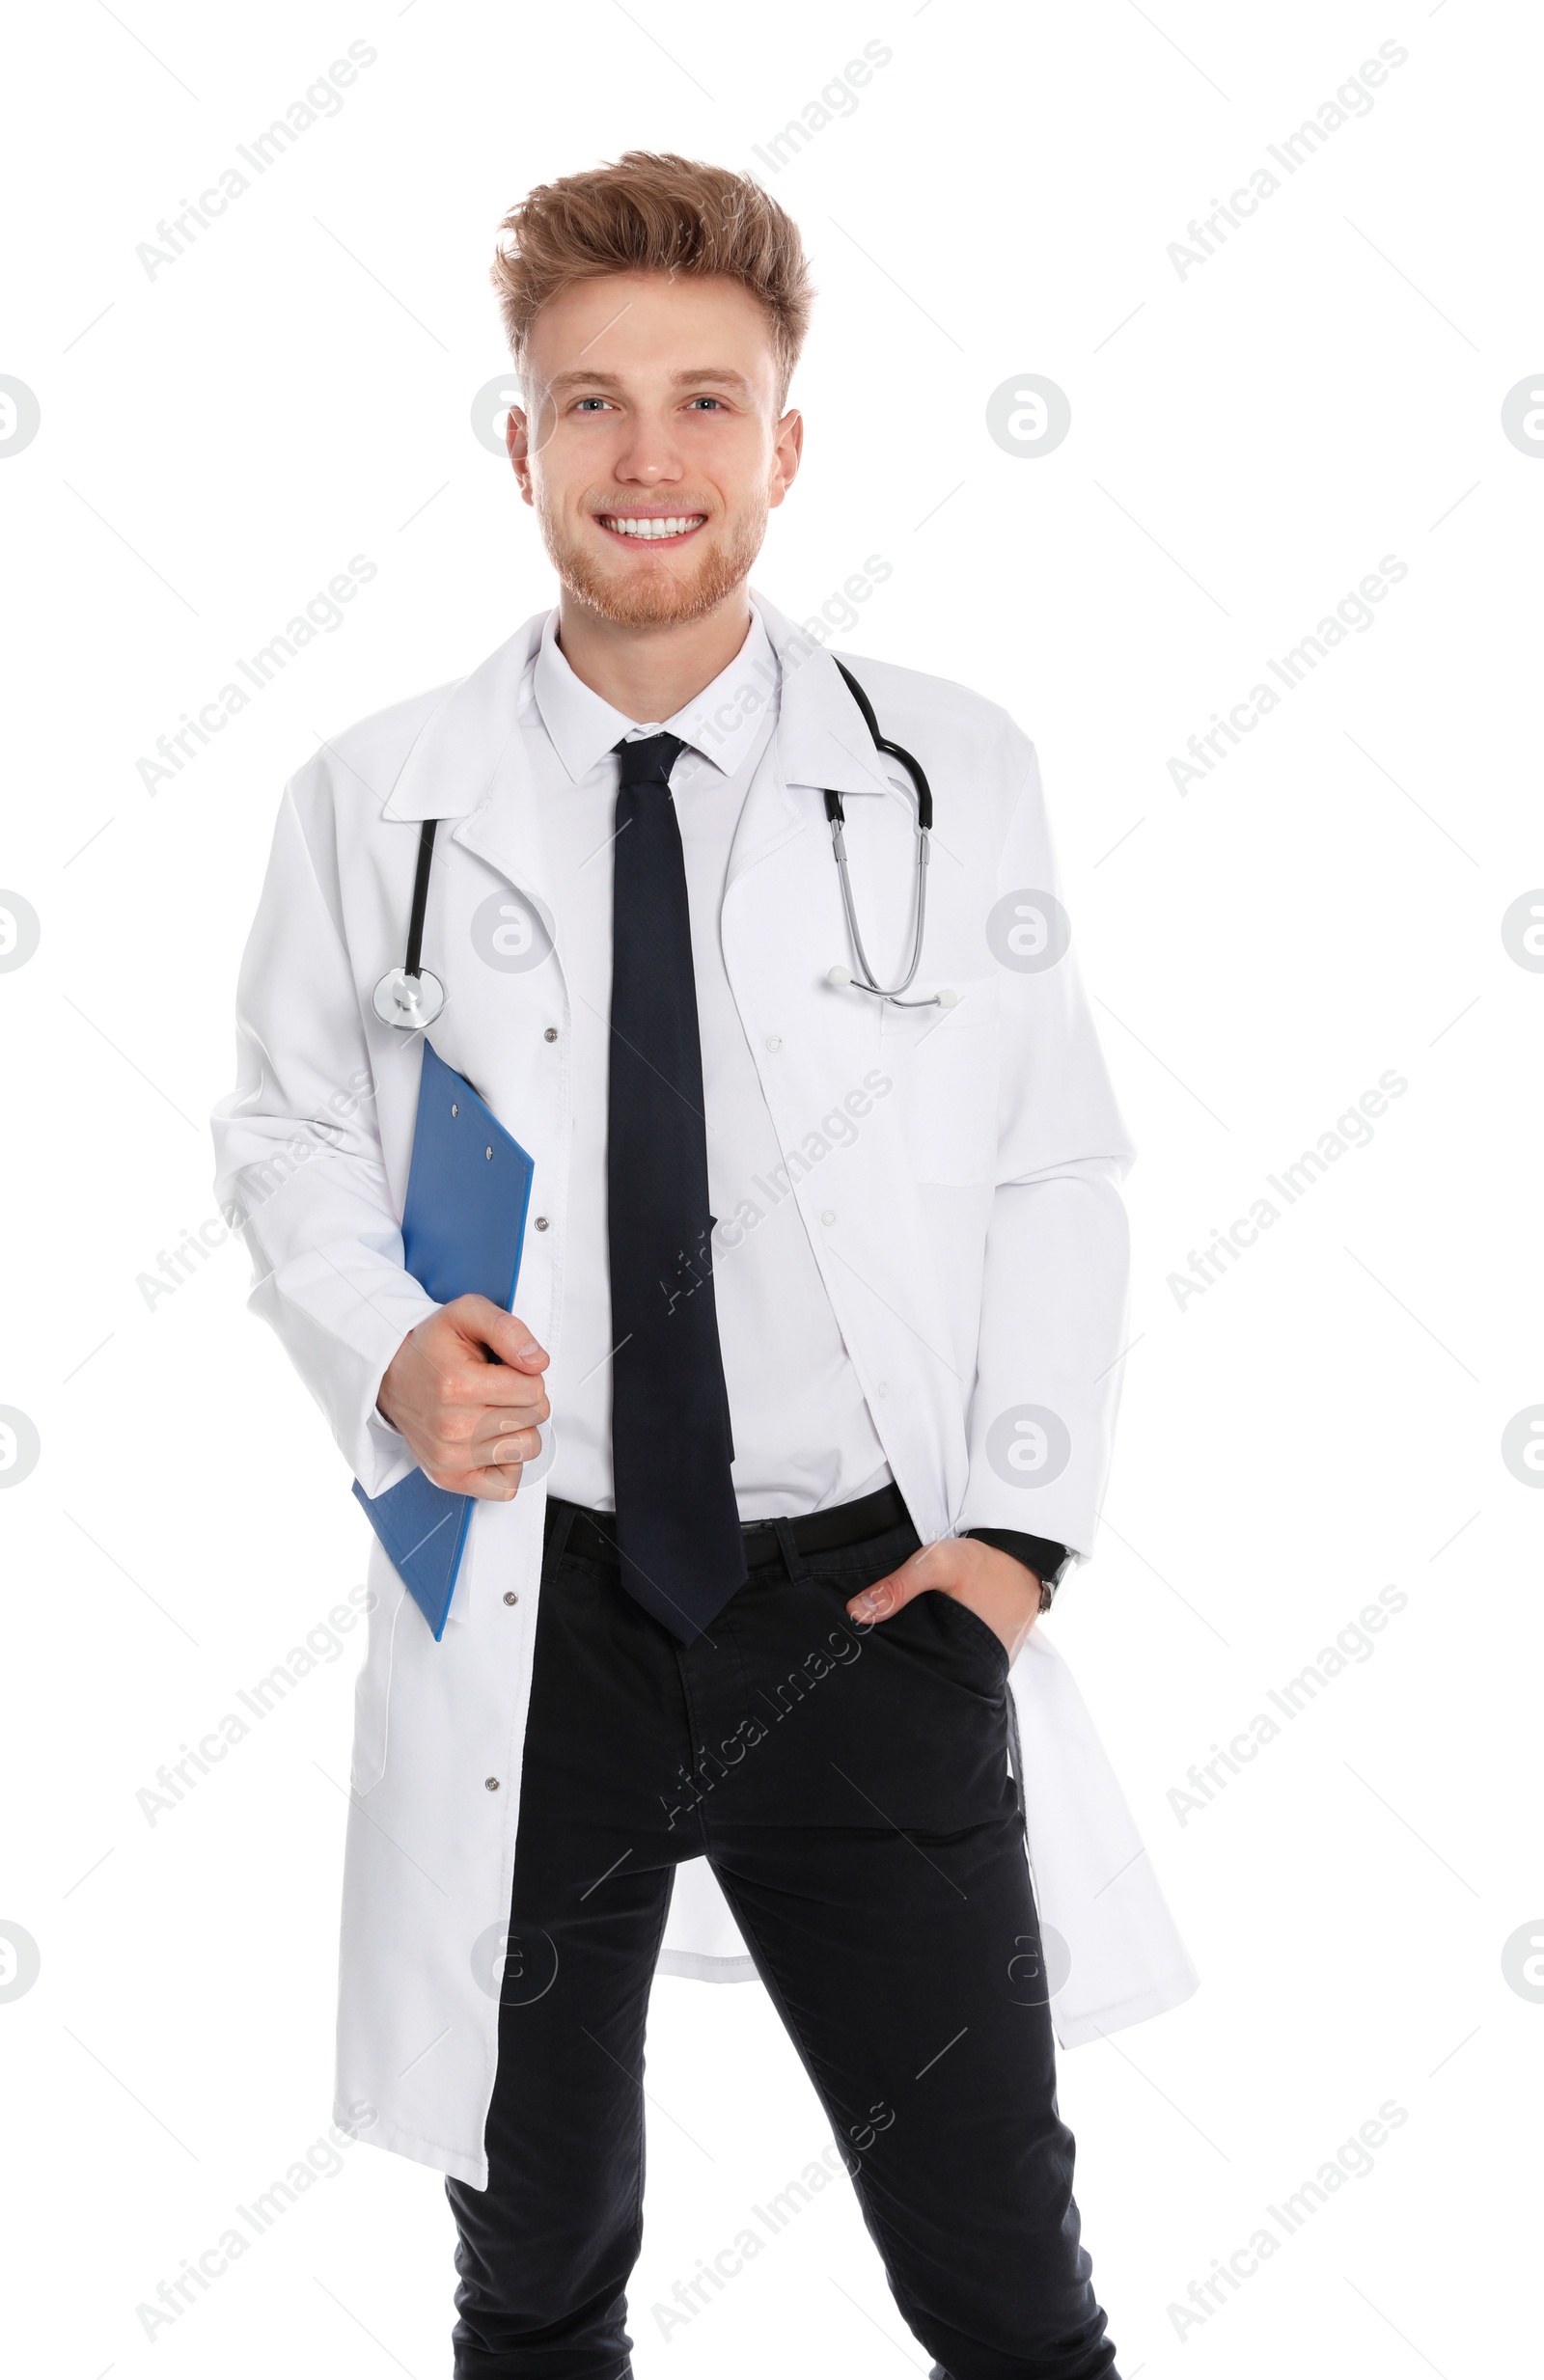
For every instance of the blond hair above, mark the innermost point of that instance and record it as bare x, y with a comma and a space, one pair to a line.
654, 212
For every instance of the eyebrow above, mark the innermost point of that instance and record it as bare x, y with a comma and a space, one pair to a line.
721, 374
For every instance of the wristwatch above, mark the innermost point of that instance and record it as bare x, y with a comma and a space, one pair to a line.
1049, 1561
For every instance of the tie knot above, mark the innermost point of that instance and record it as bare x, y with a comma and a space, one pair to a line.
647, 759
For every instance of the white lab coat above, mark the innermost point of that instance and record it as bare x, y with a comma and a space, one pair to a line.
971, 1237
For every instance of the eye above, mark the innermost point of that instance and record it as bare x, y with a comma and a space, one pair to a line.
716, 401
588, 400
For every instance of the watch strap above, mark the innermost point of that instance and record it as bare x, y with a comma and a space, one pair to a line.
1048, 1560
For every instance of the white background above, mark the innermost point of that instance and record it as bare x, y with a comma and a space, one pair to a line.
1249, 439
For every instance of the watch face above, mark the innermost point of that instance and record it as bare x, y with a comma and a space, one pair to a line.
1049, 1586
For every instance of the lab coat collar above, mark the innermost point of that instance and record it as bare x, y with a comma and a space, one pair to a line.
474, 739
467, 737
472, 763
821, 739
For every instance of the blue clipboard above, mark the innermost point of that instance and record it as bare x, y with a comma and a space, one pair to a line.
463, 1228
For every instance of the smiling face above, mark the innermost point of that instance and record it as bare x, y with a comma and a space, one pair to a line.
653, 448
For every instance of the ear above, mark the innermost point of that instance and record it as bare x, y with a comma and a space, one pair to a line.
517, 446
788, 449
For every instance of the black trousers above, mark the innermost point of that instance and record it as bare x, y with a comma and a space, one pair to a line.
852, 1787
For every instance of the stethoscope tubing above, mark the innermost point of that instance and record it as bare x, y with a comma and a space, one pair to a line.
867, 981
415, 921
398, 999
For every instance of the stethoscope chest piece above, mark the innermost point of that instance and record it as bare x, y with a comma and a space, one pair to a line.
408, 1002
408, 995
409, 998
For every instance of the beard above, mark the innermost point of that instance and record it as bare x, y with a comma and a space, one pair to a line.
647, 598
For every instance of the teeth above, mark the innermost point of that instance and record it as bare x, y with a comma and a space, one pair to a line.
629, 525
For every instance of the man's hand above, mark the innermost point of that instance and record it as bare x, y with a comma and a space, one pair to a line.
471, 1421
997, 1588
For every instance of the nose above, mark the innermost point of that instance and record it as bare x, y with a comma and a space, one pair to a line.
648, 454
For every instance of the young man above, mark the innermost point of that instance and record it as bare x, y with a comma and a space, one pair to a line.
809, 1394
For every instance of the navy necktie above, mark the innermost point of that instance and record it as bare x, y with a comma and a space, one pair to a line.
677, 1524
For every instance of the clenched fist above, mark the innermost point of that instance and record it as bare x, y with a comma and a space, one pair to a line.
465, 1392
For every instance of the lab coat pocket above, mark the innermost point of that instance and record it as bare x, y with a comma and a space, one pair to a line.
372, 1687
947, 1061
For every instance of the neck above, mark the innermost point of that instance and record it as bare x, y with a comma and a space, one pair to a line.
651, 673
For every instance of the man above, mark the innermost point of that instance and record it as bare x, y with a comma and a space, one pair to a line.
808, 1398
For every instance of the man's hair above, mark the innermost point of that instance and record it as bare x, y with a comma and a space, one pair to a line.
654, 212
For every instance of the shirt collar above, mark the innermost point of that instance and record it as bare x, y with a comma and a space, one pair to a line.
725, 723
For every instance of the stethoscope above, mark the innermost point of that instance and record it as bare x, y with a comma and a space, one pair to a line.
842, 976
410, 997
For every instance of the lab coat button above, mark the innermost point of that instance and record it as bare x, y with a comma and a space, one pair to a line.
551, 1033
492, 1784
829, 1216
774, 1041
510, 1596
542, 1223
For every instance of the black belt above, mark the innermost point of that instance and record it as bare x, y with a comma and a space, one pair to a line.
593, 1535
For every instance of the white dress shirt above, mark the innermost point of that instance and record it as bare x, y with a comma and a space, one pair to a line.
803, 1435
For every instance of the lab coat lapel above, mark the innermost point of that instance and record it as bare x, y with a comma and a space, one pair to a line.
820, 740
471, 764
781, 927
